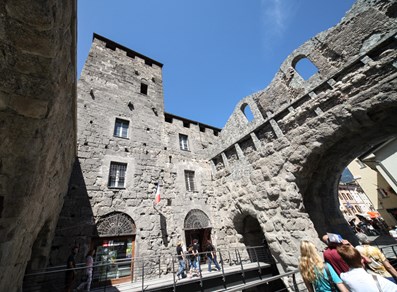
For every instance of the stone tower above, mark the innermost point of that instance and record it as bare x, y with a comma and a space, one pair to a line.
127, 146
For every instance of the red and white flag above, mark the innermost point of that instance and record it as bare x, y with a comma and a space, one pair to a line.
157, 195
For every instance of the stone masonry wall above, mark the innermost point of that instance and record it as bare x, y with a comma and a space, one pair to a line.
37, 129
312, 129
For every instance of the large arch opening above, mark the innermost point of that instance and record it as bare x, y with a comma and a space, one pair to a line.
115, 243
351, 136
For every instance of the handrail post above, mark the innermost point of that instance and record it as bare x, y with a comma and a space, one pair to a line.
223, 270
294, 282
199, 268
259, 266
173, 272
106, 277
159, 266
143, 274
392, 247
241, 264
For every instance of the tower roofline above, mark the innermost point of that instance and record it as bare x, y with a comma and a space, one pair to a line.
191, 121
129, 51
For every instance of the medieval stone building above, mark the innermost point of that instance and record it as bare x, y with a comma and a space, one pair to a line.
127, 147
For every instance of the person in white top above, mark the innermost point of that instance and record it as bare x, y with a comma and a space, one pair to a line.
357, 279
89, 261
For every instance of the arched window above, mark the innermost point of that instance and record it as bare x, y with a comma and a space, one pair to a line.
245, 108
116, 224
196, 219
305, 68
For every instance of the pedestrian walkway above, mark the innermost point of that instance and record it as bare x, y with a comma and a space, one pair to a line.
227, 280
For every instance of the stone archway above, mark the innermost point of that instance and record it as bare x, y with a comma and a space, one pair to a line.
253, 237
116, 242
197, 225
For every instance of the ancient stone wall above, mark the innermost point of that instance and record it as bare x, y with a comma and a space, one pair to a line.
312, 129
37, 122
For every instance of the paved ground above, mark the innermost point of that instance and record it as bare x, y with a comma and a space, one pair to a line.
167, 280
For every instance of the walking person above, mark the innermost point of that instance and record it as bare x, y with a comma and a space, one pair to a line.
70, 276
375, 260
332, 256
357, 279
211, 256
196, 254
181, 261
317, 275
89, 262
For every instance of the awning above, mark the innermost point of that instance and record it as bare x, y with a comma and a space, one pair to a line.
363, 215
374, 214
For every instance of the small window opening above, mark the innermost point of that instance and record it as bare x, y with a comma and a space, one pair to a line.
202, 129
305, 68
169, 201
247, 112
216, 133
131, 55
121, 128
130, 105
110, 46
144, 88
117, 175
183, 142
170, 159
186, 124
168, 119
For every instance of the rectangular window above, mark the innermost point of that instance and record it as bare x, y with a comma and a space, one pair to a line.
189, 180
383, 194
144, 88
183, 142
117, 175
121, 128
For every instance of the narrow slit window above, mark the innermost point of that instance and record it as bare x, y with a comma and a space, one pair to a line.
144, 88
189, 180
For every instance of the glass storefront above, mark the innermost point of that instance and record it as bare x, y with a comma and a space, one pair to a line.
115, 255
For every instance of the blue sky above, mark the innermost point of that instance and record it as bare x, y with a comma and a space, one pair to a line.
215, 52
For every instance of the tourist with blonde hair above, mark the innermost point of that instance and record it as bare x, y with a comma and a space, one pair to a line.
317, 275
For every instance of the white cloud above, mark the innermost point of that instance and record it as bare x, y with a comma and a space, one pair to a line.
275, 18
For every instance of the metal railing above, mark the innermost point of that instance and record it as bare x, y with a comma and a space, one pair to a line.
140, 271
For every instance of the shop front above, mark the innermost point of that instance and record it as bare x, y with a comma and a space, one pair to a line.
115, 248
